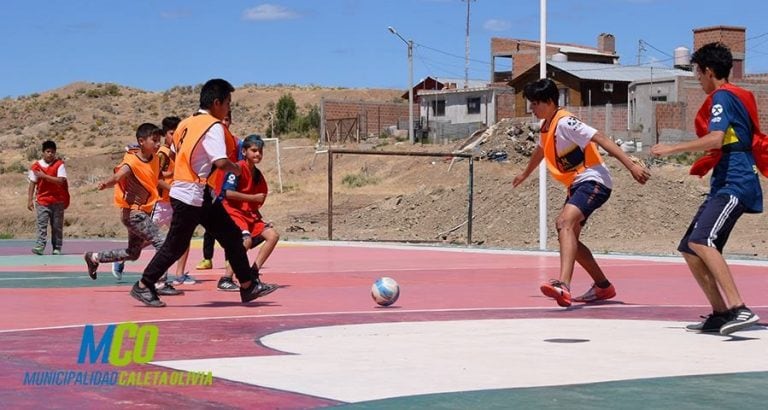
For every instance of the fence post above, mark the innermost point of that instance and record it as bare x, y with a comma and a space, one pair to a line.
330, 194
471, 192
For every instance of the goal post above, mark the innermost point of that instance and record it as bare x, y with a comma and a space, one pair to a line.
470, 181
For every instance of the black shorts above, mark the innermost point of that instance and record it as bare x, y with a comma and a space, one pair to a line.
588, 196
713, 223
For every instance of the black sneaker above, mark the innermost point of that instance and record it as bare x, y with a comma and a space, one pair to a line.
227, 284
741, 318
711, 323
146, 296
256, 290
168, 290
92, 266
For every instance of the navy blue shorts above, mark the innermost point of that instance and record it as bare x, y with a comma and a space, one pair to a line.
588, 196
713, 223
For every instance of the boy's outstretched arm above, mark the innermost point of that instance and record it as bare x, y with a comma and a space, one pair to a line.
536, 157
639, 172
115, 178
712, 140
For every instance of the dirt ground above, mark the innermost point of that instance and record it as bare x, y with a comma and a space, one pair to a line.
387, 198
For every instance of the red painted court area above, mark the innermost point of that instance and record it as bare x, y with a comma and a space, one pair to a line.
323, 284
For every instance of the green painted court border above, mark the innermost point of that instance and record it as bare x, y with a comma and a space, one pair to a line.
719, 391
69, 279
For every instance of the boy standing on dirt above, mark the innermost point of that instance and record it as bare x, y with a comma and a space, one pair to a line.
725, 124
243, 198
570, 149
48, 185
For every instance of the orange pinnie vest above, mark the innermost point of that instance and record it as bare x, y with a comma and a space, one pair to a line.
138, 190
759, 140
49, 193
187, 136
559, 167
166, 165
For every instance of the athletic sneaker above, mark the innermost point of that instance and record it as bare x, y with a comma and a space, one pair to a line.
56, 252
204, 264
38, 250
146, 296
167, 289
184, 279
557, 290
256, 290
711, 323
92, 266
227, 284
117, 269
596, 293
741, 318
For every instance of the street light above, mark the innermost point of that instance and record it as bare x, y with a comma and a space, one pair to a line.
409, 43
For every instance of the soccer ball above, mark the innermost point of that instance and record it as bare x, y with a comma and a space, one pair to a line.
385, 291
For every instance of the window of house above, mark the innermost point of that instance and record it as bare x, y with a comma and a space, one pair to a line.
660, 98
473, 105
564, 101
438, 108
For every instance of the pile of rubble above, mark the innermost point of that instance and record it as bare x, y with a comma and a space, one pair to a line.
507, 140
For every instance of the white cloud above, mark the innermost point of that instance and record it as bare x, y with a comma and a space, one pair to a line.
497, 25
269, 12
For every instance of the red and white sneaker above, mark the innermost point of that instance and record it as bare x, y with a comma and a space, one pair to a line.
557, 290
596, 294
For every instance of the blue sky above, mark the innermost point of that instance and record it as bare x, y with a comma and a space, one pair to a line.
157, 44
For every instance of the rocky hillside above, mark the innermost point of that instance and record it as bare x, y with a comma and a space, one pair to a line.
389, 198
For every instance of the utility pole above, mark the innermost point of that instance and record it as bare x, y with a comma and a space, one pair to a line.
640, 50
466, 49
409, 43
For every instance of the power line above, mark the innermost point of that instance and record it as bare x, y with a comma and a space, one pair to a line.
758, 36
643, 42
450, 55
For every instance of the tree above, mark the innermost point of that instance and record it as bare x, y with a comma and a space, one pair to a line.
285, 113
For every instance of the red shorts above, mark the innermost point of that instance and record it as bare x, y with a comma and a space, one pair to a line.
248, 224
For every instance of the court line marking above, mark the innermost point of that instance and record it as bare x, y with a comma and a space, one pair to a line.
366, 312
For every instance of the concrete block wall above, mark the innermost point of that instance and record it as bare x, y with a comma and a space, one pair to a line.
680, 116
505, 105
611, 120
373, 117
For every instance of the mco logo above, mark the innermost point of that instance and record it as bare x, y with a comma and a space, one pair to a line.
112, 347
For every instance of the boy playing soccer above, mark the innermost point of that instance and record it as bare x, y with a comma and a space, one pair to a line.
205, 151
162, 213
570, 149
48, 180
135, 180
725, 124
244, 196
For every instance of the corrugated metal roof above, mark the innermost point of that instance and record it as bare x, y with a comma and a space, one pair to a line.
584, 50
454, 90
460, 82
573, 48
616, 72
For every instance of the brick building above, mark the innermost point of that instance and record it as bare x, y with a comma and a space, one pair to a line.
512, 57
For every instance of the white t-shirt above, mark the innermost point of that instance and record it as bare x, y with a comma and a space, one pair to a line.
61, 172
212, 148
569, 134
